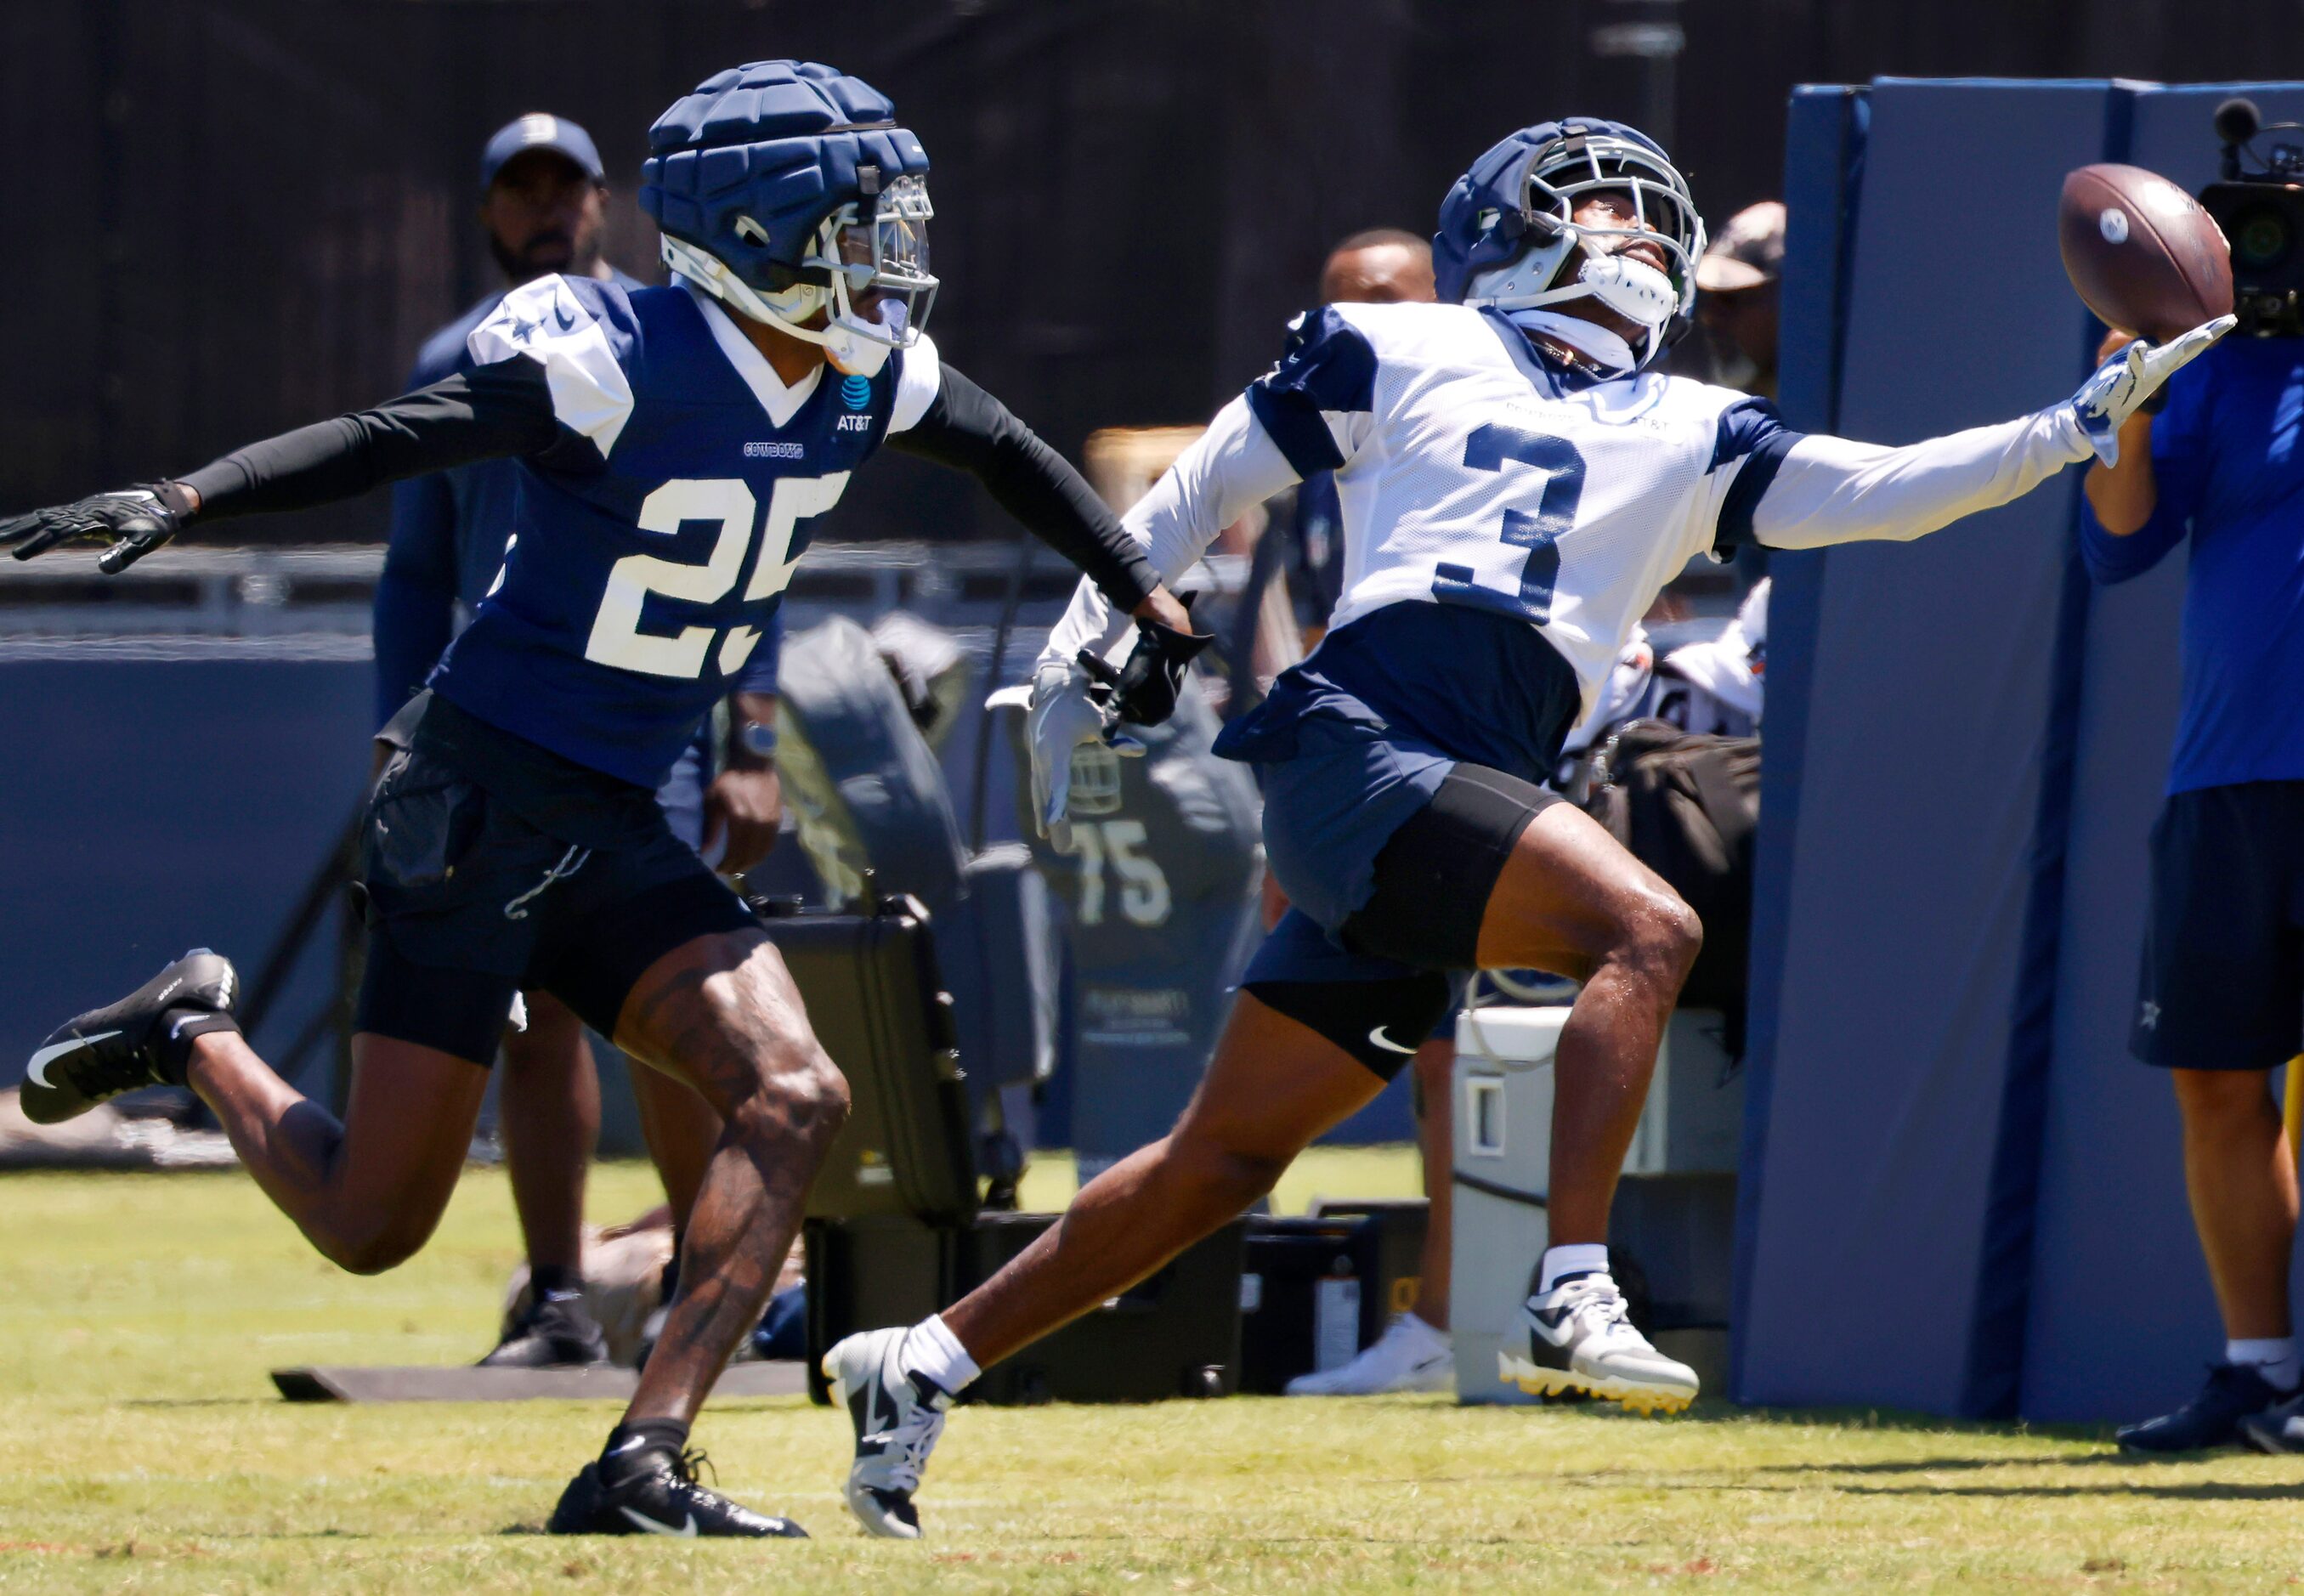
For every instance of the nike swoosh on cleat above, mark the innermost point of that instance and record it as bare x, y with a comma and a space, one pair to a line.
686, 1533
1385, 1042
37, 1072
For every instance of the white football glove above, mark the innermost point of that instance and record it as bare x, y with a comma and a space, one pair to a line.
2131, 375
1062, 719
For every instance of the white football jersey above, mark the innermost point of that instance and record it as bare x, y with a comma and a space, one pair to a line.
1471, 471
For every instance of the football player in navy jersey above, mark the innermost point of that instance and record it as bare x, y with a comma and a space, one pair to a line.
543, 202
676, 445
1516, 485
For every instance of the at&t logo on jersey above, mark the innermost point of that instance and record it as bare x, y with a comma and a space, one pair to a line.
855, 392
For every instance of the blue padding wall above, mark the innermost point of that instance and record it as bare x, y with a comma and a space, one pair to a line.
150, 807
2121, 1315
1823, 181
1908, 905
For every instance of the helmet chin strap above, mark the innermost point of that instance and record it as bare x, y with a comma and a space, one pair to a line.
1633, 289
850, 353
1630, 287
1589, 339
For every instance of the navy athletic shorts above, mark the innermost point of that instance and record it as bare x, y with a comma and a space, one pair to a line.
490, 866
2222, 982
1381, 981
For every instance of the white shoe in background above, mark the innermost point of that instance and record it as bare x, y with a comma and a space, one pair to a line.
1410, 1355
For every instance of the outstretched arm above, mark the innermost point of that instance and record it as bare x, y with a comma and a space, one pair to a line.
1827, 490
1229, 470
967, 428
482, 414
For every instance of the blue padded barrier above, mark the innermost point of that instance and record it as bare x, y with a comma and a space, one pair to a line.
1823, 152
1909, 868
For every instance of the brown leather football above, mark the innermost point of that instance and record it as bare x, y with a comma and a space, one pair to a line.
2143, 254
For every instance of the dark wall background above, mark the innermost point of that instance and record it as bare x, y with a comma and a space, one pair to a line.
226, 216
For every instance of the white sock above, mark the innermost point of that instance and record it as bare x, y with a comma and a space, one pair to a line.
1578, 1257
2272, 1357
931, 1349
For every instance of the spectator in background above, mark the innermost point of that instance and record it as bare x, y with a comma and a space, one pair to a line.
1737, 280
2221, 1004
543, 204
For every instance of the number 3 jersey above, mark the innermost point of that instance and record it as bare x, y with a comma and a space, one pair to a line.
1472, 470
1508, 517
651, 543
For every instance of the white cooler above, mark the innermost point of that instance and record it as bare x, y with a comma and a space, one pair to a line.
1693, 1125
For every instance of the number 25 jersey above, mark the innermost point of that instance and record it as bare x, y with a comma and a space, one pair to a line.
1471, 470
651, 544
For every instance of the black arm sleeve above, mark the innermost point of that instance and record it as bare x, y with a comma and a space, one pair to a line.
969, 429
484, 414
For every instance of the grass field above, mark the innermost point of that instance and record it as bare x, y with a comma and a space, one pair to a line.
142, 1449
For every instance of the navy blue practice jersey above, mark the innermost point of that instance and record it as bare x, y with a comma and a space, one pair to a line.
653, 542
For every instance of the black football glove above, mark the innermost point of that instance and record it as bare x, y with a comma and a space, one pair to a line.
134, 521
1143, 690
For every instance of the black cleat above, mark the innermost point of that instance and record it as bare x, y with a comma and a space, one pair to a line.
2234, 1392
554, 1333
658, 1496
133, 1043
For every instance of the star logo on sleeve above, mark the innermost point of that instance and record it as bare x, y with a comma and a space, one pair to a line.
523, 330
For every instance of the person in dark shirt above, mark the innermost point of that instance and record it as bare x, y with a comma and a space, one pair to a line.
543, 202
2221, 1004
676, 446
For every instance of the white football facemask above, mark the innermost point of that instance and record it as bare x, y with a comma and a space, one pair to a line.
1664, 215
878, 291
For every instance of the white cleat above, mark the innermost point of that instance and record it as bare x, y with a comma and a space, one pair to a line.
1410, 1355
897, 1417
1580, 1340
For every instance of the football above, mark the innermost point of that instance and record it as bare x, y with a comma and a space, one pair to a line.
2142, 253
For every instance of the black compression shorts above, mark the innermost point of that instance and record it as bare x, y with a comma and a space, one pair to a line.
1434, 876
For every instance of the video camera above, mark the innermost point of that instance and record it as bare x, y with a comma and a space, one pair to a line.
2262, 215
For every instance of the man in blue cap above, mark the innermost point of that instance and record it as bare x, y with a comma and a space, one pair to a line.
543, 204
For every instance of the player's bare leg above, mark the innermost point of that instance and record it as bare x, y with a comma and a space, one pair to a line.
683, 1134
1273, 1086
1572, 901
722, 1014
548, 1112
367, 1191
1414, 1353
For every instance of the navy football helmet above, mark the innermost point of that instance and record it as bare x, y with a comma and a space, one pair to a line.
786, 188
1507, 228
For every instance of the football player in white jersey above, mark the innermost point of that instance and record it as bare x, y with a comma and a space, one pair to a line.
1517, 485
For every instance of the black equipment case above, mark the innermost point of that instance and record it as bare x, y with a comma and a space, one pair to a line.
875, 1000
894, 1232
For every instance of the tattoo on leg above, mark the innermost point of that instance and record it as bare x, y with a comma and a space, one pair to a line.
722, 1014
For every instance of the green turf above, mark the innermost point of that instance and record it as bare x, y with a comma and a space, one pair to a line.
142, 1449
